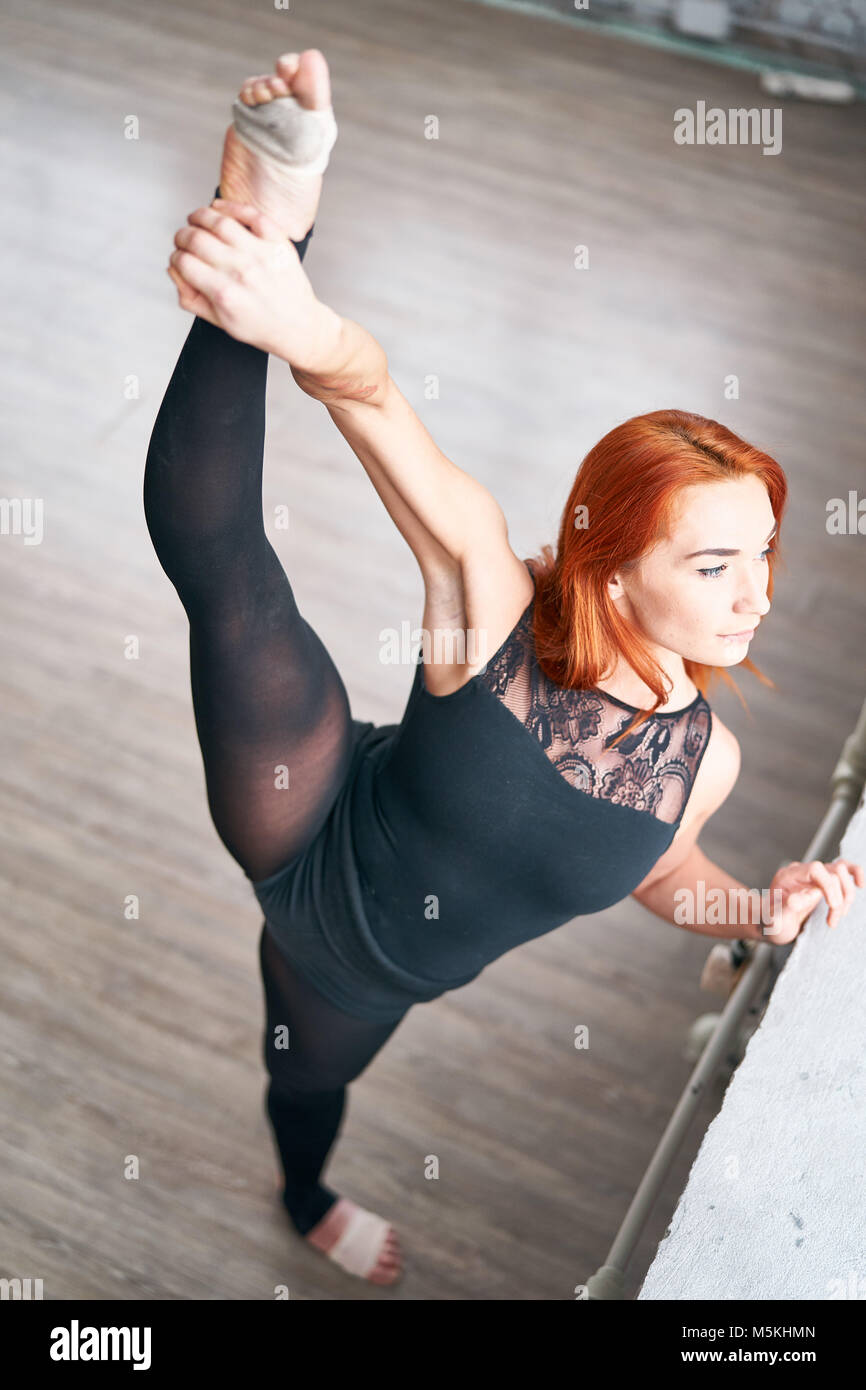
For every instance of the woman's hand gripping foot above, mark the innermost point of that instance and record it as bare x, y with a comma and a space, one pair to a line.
234, 267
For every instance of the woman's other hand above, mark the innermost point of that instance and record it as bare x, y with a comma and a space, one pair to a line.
802, 887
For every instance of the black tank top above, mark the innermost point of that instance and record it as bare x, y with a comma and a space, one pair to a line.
494, 814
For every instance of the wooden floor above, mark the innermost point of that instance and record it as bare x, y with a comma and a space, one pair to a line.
140, 1037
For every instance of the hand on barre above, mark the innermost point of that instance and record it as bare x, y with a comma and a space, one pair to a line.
802, 886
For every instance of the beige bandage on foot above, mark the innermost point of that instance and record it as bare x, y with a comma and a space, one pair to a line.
294, 137
359, 1247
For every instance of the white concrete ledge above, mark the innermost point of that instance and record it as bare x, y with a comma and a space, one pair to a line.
775, 1204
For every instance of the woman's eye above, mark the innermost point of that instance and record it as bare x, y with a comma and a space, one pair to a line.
719, 569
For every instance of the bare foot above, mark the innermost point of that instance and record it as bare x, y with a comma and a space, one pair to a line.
359, 1241
289, 197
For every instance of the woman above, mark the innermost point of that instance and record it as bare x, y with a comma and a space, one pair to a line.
567, 758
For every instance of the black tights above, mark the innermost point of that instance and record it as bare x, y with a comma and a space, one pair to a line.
266, 697
306, 1097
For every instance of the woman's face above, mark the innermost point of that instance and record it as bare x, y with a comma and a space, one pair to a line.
687, 603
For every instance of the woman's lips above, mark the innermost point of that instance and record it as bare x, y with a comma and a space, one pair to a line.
738, 636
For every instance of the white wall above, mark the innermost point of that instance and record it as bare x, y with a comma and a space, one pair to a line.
775, 1204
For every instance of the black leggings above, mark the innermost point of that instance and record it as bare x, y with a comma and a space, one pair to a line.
266, 696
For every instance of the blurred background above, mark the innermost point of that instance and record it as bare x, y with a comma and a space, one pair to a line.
823, 38
716, 279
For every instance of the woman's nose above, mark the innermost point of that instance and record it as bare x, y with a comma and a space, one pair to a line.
753, 598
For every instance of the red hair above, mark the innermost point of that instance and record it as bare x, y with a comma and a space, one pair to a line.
629, 484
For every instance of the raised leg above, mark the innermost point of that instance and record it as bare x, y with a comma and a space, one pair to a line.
272, 712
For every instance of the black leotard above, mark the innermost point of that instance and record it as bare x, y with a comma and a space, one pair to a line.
483, 819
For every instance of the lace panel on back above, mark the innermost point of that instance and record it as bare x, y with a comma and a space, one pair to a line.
652, 769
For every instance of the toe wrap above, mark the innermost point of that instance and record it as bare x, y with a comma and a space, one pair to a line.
292, 135
361, 1243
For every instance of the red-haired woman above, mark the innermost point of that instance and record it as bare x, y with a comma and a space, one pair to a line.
559, 755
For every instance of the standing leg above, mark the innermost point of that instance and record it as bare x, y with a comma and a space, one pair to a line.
312, 1051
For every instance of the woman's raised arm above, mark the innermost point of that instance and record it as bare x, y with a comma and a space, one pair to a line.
443, 513
250, 283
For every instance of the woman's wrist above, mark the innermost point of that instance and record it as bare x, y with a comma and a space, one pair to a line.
323, 342
341, 362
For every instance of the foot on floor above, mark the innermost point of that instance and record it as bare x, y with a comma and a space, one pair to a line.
359, 1241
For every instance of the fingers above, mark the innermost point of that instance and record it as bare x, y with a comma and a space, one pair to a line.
848, 888
226, 228
221, 242
210, 249
206, 259
829, 884
838, 885
239, 225
190, 299
187, 296
850, 877
259, 224
857, 870
200, 276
